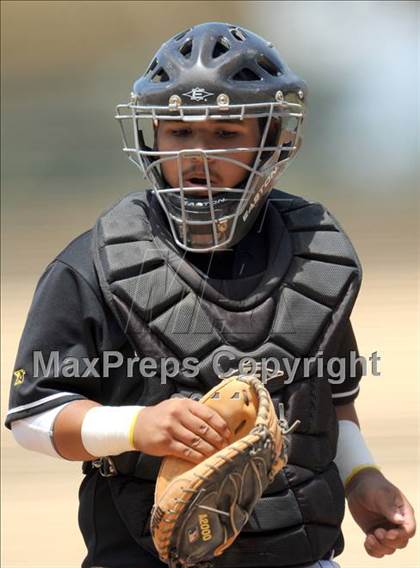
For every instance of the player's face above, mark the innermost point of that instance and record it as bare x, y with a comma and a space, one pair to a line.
208, 135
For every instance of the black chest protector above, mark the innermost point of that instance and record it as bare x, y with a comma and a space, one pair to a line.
296, 314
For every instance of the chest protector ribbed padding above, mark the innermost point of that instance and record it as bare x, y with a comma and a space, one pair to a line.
298, 310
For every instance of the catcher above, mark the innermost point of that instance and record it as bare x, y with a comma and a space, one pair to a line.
137, 319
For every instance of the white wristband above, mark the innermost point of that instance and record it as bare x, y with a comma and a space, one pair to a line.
353, 455
109, 430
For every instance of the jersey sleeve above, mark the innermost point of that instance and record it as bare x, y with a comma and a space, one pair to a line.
347, 371
62, 332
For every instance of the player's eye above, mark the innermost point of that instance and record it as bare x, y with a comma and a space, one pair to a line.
181, 132
226, 134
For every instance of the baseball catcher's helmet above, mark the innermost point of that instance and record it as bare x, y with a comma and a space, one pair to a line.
214, 71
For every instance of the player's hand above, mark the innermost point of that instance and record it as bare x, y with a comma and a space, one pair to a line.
181, 427
382, 511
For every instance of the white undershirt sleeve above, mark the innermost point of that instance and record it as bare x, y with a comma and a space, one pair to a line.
35, 432
106, 430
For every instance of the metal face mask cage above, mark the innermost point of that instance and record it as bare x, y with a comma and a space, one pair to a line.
222, 217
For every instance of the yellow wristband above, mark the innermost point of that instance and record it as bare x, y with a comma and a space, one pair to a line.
132, 428
357, 470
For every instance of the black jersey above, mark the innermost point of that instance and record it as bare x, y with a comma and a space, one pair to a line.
70, 332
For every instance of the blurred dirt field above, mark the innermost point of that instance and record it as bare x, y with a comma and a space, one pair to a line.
39, 494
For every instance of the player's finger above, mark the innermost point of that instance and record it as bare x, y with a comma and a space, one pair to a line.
192, 440
203, 430
394, 538
180, 450
376, 548
212, 418
371, 547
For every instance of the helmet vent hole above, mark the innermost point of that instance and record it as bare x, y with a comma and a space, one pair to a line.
186, 49
246, 74
238, 34
181, 35
269, 66
152, 66
221, 46
160, 76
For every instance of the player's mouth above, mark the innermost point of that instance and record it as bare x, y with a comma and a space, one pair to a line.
199, 183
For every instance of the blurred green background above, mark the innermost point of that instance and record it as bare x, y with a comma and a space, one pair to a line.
65, 66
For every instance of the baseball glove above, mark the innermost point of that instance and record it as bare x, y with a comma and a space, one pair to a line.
200, 509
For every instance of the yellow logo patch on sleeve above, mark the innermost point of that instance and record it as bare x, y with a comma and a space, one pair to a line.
19, 377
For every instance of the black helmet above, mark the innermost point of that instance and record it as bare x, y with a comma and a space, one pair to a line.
215, 71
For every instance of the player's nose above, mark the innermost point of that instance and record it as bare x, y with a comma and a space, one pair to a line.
199, 161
